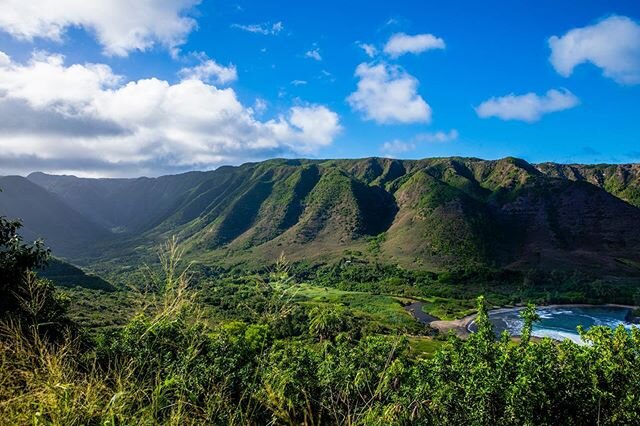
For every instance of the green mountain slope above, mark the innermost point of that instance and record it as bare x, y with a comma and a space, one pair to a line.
437, 213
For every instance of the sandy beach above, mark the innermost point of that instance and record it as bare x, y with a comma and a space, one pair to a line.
461, 326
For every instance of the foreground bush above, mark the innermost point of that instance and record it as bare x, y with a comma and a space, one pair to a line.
168, 366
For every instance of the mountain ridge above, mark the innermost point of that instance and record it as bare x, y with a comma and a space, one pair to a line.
433, 213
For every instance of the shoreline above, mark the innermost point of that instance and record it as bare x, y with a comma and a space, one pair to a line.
461, 326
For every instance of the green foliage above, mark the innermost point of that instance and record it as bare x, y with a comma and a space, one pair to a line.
327, 322
16, 259
375, 243
484, 381
293, 355
529, 316
25, 299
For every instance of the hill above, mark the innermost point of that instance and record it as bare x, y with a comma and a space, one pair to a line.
45, 215
434, 214
66, 275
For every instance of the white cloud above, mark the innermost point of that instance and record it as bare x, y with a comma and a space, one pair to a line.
298, 82
277, 27
438, 137
401, 43
396, 146
264, 28
392, 21
120, 26
111, 126
4, 59
612, 44
387, 94
260, 106
313, 54
530, 107
318, 124
369, 49
210, 71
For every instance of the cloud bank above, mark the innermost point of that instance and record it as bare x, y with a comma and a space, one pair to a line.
83, 118
120, 26
397, 147
313, 54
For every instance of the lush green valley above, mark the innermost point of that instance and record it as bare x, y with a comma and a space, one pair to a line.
279, 352
282, 294
445, 228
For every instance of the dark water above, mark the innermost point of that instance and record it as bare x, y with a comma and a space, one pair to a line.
416, 310
560, 322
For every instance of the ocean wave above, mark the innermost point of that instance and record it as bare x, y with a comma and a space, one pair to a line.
558, 335
560, 322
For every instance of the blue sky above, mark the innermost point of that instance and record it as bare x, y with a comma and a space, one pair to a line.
177, 85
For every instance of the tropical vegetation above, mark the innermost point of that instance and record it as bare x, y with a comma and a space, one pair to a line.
284, 353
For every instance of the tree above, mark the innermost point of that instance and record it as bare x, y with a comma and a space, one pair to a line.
326, 322
16, 260
32, 302
529, 316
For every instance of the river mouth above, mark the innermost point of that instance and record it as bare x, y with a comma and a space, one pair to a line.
559, 322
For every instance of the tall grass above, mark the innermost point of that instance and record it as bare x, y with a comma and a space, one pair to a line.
45, 382
161, 368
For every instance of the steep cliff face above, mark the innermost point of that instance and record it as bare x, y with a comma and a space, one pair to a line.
621, 180
574, 223
434, 213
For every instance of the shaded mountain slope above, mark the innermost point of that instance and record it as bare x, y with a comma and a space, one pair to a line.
121, 205
46, 216
621, 180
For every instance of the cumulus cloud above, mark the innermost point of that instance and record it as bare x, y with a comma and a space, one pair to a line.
313, 54
84, 119
401, 43
387, 94
612, 44
210, 71
529, 107
120, 26
266, 28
